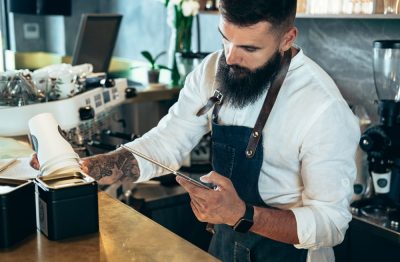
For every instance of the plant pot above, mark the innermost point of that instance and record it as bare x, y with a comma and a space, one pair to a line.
153, 76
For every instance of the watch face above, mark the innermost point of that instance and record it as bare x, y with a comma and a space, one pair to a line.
243, 226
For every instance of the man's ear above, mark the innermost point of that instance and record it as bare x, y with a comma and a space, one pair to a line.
288, 39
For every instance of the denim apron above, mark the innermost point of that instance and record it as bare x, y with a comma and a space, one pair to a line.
237, 157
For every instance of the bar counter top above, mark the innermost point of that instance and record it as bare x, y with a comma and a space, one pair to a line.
124, 235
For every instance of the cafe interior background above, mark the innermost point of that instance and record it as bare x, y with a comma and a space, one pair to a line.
338, 35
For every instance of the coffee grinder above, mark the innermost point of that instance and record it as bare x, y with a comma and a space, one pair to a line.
381, 142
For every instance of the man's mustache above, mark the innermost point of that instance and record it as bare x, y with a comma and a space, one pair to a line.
238, 69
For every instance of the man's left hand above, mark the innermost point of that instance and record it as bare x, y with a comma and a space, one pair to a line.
219, 206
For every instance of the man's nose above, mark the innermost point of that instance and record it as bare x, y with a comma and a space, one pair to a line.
232, 55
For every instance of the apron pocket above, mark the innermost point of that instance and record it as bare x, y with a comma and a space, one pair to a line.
241, 253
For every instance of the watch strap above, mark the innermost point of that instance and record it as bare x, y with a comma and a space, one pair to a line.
245, 223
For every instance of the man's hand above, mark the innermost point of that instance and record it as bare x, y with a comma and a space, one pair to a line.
35, 162
220, 206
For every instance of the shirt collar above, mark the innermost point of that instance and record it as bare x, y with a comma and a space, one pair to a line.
297, 60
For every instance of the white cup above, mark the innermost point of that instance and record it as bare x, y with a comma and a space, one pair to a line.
65, 82
40, 79
83, 69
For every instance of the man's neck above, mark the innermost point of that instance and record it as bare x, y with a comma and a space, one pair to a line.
295, 51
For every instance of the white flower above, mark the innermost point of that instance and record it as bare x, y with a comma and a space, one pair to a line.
190, 7
170, 16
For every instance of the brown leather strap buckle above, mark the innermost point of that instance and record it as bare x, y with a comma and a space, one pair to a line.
218, 95
215, 99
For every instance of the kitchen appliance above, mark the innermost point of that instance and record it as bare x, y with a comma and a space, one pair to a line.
91, 121
69, 112
382, 141
17, 211
66, 205
362, 184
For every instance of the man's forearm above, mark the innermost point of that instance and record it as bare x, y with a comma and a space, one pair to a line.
276, 224
113, 166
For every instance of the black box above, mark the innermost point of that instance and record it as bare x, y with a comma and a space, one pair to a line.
17, 211
66, 205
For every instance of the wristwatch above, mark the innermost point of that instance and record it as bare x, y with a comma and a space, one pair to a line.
246, 222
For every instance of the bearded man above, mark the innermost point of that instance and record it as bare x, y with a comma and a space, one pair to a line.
283, 142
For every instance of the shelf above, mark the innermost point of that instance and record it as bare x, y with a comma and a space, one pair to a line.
347, 16
330, 16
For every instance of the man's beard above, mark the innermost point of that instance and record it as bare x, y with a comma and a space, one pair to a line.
241, 86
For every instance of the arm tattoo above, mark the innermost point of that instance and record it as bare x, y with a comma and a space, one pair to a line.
116, 165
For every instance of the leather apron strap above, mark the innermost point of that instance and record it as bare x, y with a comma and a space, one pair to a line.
268, 104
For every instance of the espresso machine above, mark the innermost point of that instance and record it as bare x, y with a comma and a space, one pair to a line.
381, 142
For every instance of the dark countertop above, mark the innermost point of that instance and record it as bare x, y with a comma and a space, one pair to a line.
376, 228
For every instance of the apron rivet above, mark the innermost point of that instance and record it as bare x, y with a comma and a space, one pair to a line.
255, 134
249, 152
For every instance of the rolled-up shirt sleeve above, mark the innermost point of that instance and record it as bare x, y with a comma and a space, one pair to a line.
328, 171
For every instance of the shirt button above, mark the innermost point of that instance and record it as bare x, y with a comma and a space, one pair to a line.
249, 152
255, 134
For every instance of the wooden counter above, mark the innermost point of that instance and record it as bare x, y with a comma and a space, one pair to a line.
125, 235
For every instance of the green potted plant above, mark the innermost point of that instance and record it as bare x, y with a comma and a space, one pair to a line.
153, 73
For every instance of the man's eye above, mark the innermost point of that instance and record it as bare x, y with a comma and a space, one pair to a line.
250, 49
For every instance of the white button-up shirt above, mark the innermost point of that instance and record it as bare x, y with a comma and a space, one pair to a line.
309, 145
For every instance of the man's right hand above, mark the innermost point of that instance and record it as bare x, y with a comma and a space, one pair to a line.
35, 162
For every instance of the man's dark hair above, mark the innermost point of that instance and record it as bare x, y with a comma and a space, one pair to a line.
280, 13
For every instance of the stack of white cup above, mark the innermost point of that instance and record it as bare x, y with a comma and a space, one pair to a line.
55, 154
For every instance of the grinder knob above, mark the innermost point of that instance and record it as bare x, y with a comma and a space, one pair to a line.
366, 143
375, 139
86, 113
130, 92
107, 82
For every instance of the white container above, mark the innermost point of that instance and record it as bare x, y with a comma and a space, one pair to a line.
49, 144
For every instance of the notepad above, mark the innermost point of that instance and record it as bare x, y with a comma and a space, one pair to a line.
21, 169
4, 164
